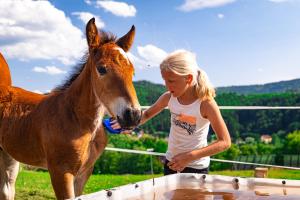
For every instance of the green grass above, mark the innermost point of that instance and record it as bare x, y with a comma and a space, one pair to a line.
32, 185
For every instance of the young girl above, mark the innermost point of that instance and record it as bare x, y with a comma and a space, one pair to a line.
190, 98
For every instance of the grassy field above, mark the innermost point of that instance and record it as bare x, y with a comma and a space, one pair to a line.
32, 185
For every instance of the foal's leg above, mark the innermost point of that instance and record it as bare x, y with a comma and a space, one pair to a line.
96, 149
81, 179
62, 183
9, 169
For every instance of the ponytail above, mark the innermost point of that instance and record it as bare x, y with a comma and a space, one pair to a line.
204, 89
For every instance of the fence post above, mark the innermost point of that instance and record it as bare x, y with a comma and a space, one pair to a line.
151, 161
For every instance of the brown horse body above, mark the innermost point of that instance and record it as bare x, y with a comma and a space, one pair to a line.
62, 131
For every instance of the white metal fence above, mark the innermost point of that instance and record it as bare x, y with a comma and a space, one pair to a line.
212, 159
221, 160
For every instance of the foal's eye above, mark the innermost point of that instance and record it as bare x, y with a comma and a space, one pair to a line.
102, 70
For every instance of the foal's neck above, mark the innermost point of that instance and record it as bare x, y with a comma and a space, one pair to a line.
87, 106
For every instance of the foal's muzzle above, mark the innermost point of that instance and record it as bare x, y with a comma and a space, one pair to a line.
130, 118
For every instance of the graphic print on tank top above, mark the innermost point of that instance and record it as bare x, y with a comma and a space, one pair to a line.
187, 122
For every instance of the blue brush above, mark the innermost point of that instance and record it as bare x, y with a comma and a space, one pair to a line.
107, 125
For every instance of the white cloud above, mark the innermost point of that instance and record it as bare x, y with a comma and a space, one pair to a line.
148, 56
89, 2
37, 91
220, 16
279, 1
260, 69
52, 70
38, 30
86, 16
152, 54
40, 92
136, 61
190, 5
117, 8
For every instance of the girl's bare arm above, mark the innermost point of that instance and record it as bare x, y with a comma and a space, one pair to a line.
157, 107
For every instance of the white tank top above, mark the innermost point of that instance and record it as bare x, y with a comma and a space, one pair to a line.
188, 131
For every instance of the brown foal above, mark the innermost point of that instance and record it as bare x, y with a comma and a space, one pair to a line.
62, 131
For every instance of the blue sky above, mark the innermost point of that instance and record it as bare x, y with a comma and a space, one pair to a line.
237, 42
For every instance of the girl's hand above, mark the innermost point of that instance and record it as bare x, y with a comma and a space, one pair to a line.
115, 125
180, 161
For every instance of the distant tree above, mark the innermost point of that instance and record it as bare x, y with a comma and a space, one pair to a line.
231, 154
112, 162
248, 149
263, 148
293, 142
294, 126
250, 140
277, 141
232, 122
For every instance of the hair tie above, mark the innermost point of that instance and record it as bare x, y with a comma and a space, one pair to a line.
198, 74
197, 78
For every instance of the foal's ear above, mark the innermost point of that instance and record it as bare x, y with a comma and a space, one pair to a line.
126, 41
92, 36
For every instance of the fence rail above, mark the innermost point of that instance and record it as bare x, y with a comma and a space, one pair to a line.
252, 107
212, 159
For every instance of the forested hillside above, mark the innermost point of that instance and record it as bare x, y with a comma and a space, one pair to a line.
291, 86
148, 92
241, 123
277, 87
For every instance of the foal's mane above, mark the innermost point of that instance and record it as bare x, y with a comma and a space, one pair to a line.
106, 37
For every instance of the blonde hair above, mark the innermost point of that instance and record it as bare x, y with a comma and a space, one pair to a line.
183, 62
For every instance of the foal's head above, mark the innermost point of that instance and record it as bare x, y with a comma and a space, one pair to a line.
111, 74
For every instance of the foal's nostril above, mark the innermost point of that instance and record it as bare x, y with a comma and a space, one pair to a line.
132, 117
128, 114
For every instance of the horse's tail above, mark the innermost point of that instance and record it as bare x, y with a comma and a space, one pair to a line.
5, 78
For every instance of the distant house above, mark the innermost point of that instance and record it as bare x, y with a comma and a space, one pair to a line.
266, 139
140, 133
